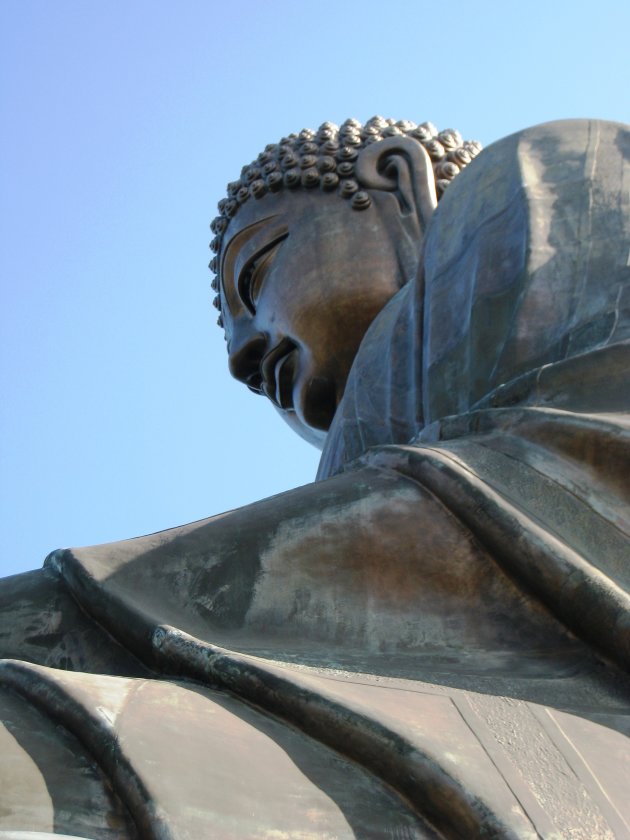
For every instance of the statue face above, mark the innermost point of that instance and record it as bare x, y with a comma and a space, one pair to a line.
304, 275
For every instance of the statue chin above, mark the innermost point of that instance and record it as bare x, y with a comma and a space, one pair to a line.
318, 404
317, 437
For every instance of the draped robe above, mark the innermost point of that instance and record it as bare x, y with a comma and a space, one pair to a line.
431, 640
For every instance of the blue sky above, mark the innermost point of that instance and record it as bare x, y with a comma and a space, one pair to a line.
122, 123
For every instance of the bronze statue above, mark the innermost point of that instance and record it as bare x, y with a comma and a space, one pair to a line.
433, 639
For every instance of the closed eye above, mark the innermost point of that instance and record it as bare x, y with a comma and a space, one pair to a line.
252, 276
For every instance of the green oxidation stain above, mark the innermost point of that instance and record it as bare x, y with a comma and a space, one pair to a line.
622, 142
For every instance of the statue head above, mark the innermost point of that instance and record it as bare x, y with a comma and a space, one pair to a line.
312, 241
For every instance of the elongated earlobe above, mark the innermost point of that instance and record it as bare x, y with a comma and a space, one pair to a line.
402, 166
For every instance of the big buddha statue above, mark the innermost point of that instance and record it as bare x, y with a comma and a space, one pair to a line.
433, 638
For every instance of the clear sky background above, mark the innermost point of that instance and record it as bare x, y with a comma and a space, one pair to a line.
122, 121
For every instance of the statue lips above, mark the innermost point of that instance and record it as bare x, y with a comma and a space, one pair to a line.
278, 370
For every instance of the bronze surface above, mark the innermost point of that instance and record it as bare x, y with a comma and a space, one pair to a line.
433, 639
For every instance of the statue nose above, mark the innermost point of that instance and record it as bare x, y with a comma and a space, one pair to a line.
244, 361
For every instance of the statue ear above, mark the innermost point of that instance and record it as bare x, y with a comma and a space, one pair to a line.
400, 165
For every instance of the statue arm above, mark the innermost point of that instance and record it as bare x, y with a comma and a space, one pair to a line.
367, 560
40, 622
